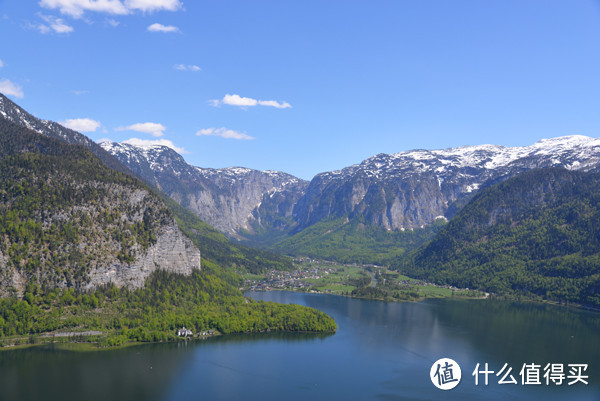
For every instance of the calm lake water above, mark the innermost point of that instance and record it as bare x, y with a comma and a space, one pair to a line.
382, 351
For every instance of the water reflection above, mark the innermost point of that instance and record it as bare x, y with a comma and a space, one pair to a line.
137, 373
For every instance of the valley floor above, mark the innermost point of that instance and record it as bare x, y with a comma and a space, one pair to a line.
363, 281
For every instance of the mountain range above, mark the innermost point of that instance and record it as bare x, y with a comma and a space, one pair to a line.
411, 189
211, 242
387, 193
399, 191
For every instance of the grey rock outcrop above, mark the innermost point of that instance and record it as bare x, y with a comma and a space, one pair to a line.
173, 252
10, 278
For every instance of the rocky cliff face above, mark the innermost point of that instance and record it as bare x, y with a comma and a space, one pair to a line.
227, 199
239, 193
172, 251
411, 189
11, 281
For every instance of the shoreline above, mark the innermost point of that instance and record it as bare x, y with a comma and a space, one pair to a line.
489, 296
77, 345
245, 290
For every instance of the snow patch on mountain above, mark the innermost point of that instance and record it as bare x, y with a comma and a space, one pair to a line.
554, 151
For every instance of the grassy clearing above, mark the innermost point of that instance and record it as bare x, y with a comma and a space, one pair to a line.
338, 288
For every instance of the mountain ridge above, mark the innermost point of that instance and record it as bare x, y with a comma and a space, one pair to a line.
12, 112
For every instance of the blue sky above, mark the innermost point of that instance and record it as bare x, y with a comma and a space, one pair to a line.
306, 86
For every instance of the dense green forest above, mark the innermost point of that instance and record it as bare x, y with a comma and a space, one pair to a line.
537, 234
356, 242
200, 302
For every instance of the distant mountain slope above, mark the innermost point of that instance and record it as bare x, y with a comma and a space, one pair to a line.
15, 114
227, 199
67, 220
355, 242
536, 233
411, 189
219, 249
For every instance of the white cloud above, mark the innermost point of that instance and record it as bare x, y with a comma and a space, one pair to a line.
187, 67
9, 88
76, 8
153, 5
53, 24
156, 27
224, 133
276, 104
153, 129
1, 64
81, 124
237, 100
154, 142
80, 92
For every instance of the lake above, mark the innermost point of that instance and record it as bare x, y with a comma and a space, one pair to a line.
381, 351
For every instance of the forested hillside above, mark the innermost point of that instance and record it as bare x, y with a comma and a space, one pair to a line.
535, 234
356, 241
64, 214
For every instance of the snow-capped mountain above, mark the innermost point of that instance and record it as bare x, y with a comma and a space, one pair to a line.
227, 198
15, 114
412, 188
395, 191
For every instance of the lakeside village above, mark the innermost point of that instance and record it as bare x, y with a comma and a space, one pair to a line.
301, 279
319, 276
